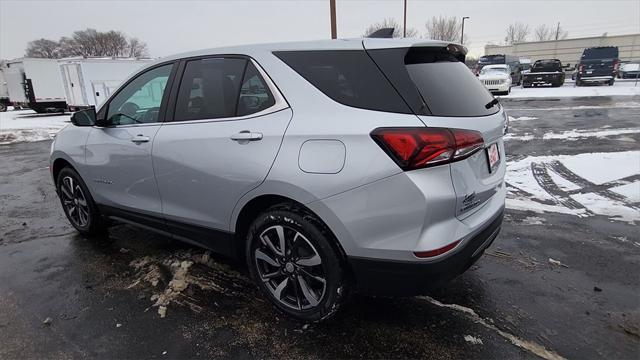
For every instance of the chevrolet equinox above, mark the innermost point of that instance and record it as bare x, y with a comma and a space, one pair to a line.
330, 167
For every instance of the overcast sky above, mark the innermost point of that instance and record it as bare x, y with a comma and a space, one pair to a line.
170, 27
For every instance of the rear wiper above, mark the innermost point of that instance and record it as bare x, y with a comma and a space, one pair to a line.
492, 103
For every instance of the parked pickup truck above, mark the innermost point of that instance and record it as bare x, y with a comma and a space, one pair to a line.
544, 72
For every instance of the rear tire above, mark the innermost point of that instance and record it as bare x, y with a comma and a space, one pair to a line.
293, 259
77, 203
611, 82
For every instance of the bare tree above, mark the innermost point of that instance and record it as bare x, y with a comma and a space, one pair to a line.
516, 33
91, 42
43, 48
137, 48
559, 33
543, 33
443, 28
390, 23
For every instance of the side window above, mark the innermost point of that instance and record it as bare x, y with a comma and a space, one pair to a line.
139, 101
209, 89
255, 95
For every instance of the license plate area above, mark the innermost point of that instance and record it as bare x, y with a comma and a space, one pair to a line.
493, 157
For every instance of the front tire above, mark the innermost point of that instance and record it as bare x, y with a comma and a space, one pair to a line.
293, 259
77, 203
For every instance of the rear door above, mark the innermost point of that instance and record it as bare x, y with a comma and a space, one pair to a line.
225, 127
443, 92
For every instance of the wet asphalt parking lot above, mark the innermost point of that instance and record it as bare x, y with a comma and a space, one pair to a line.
64, 296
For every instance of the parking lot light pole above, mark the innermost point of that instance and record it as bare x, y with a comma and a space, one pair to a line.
462, 32
332, 9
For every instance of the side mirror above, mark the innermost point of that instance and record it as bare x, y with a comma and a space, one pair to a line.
86, 117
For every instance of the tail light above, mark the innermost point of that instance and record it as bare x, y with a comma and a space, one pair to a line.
616, 65
415, 148
437, 252
581, 69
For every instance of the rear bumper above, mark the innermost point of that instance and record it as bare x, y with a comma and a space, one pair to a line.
383, 277
595, 78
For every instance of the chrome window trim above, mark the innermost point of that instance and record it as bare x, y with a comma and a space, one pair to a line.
280, 102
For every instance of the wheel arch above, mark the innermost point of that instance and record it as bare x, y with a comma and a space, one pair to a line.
58, 164
258, 204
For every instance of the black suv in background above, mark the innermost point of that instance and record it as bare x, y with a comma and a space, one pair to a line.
598, 65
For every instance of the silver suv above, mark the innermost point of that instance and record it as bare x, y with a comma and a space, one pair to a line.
330, 167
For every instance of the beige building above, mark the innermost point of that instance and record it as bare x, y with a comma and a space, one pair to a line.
569, 51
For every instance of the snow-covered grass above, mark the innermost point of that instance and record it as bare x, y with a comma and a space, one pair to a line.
528, 190
569, 90
27, 125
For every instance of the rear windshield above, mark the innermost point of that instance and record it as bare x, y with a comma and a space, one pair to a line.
349, 77
434, 81
547, 65
491, 59
600, 53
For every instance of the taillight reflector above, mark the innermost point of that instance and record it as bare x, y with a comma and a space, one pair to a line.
436, 252
415, 148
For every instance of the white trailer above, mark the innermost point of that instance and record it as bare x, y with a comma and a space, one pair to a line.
35, 83
90, 81
4, 91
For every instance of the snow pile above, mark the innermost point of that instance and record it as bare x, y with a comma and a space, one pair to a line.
26, 125
568, 90
522, 118
579, 134
582, 185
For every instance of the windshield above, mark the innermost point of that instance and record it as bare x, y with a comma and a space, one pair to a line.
492, 71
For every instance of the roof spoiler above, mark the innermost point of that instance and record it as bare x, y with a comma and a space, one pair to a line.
383, 33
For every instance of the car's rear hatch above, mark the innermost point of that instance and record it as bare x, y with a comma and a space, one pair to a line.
436, 84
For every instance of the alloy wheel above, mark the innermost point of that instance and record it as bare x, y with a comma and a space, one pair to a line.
74, 201
290, 267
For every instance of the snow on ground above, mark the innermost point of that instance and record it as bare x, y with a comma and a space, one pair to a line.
582, 185
575, 134
569, 90
522, 118
27, 125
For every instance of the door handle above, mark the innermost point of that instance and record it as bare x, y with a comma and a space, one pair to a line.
140, 139
246, 135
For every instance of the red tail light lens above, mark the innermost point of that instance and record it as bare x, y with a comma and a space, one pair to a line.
415, 148
436, 252
581, 68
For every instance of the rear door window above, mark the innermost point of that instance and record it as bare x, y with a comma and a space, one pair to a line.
349, 77
434, 81
210, 89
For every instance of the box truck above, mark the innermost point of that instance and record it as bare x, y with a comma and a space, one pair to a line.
4, 92
90, 81
35, 83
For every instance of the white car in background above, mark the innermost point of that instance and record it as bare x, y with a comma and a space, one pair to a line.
496, 78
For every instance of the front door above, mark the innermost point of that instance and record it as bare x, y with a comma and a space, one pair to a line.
118, 157
218, 143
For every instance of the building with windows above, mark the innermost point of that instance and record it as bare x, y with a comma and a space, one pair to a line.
569, 51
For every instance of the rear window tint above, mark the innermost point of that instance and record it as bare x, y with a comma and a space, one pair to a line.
349, 77
434, 82
600, 53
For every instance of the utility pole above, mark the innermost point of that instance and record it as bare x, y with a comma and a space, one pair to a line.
558, 31
404, 28
462, 32
332, 6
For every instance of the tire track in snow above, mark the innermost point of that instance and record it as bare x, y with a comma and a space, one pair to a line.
530, 346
